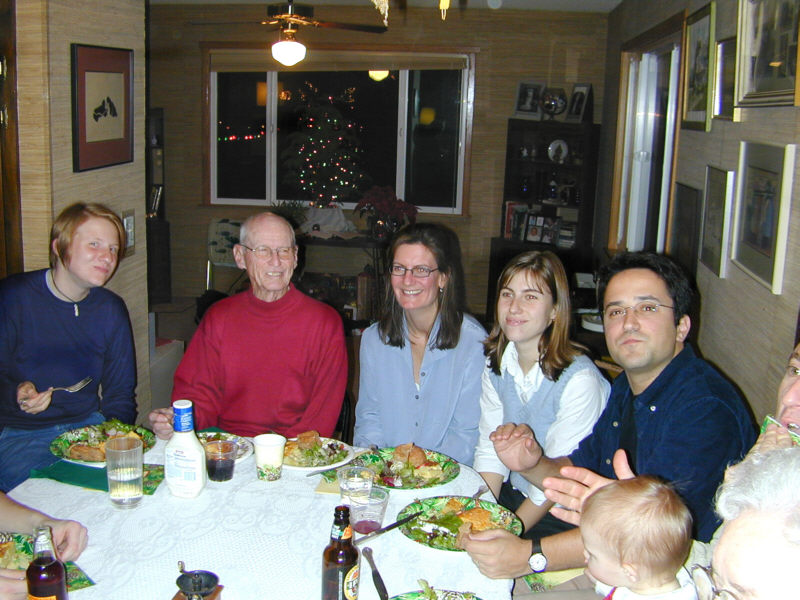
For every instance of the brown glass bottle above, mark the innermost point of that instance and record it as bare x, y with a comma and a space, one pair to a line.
47, 579
340, 560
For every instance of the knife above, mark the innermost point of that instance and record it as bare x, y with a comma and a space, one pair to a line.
378, 532
380, 587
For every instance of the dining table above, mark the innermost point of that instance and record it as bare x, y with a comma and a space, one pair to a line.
264, 539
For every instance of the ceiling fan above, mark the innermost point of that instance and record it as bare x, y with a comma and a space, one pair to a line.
289, 17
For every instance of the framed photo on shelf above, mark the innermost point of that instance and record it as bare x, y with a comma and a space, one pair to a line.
717, 207
580, 103
766, 64
761, 218
528, 97
725, 79
550, 229
102, 106
697, 89
533, 230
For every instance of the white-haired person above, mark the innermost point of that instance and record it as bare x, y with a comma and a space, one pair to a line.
759, 549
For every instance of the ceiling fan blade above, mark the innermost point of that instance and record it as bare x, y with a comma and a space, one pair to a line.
351, 26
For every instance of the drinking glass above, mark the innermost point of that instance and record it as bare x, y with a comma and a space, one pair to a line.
354, 483
366, 514
269, 455
220, 459
124, 468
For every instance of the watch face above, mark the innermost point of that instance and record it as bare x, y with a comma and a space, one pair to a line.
537, 563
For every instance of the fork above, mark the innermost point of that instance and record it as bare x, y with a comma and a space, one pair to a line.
481, 491
75, 386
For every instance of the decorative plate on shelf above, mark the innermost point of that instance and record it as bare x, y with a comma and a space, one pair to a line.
245, 446
558, 151
442, 516
437, 470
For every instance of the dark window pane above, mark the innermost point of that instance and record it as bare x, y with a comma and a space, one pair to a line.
434, 111
337, 134
241, 140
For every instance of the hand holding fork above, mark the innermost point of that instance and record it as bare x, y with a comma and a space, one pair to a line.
33, 402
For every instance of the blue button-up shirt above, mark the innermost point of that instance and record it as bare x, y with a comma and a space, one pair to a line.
690, 425
441, 414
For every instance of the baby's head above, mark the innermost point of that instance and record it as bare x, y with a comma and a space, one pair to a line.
636, 533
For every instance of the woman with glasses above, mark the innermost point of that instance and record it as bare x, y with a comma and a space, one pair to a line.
537, 376
421, 363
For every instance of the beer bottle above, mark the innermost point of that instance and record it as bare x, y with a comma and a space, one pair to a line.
340, 560
46, 577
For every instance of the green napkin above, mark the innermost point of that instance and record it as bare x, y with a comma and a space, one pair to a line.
95, 478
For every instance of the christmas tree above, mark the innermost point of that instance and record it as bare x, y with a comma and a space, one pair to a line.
322, 159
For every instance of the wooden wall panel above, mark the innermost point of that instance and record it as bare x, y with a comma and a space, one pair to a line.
557, 48
45, 31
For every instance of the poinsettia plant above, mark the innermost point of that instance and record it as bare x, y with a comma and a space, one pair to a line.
383, 203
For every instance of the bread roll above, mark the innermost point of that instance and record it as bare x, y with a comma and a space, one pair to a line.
410, 453
87, 453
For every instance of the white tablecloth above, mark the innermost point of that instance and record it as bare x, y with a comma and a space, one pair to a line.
263, 539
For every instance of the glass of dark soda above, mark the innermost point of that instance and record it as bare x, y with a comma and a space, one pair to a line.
220, 459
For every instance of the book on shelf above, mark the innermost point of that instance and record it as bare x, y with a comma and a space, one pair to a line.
515, 220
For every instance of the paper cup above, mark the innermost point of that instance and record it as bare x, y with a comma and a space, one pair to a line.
269, 455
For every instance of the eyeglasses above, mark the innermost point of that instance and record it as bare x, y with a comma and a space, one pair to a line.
706, 589
265, 252
420, 271
646, 308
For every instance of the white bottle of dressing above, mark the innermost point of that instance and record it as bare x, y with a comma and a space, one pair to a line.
184, 457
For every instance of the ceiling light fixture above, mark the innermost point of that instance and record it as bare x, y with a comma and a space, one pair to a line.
287, 50
378, 75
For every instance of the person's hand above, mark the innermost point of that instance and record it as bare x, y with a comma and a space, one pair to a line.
13, 585
498, 553
69, 538
161, 422
577, 483
773, 438
32, 401
516, 446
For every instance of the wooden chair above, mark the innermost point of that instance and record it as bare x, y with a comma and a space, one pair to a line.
609, 368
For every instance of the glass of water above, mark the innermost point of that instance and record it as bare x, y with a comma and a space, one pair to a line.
354, 483
124, 468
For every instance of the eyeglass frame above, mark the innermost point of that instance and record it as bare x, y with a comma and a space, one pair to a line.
426, 270
259, 252
709, 577
635, 308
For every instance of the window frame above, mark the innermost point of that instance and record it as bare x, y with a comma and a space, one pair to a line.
461, 207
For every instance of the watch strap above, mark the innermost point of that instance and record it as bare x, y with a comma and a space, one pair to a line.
536, 547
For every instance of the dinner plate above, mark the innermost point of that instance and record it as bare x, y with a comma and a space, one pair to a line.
378, 463
245, 446
60, 445
348, 457
557, 151
431, 508
440, 595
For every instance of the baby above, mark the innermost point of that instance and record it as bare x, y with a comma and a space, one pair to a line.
636, 534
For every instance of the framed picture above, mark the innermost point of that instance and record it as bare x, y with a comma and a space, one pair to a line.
761, 219
699, 69
102, 106
580, 103
717, 206
533, 231
767, 55
528, 97
725, 79
684, 244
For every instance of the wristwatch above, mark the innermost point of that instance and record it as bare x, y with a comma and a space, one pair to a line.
538, 561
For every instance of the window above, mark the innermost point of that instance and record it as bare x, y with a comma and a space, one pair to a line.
646, 124
330, 131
